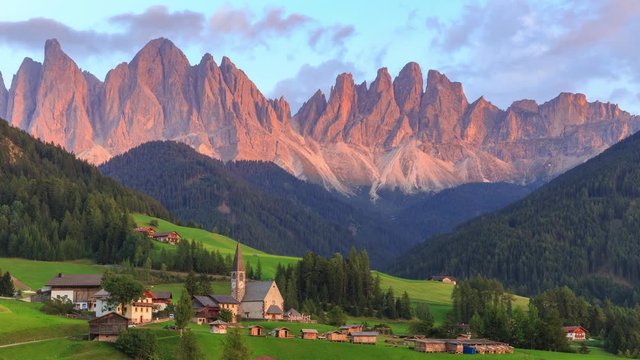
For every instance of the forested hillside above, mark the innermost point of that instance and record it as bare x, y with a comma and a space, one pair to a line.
197, 188
579, 230
55, 207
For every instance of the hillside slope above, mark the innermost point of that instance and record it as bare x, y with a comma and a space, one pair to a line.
55, 207
579, 230
198, 188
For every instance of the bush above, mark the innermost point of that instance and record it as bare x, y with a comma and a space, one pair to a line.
59, 307
225, 315
336, 316
138, 344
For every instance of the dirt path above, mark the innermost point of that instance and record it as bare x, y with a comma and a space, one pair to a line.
31, 342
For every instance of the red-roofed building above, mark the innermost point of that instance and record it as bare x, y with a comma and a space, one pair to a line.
575, 333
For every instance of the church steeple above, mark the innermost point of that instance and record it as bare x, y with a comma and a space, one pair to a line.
238, 275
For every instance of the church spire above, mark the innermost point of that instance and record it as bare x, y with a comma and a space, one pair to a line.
238, 263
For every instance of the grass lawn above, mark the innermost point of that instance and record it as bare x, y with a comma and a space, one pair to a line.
36, 274
62, 349
21, 321
219, 287
221, 243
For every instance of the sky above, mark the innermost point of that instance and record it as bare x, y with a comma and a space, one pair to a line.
504, 50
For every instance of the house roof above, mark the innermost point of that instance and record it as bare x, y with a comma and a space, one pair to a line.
110, 314
442, 277
218, 322
365, 333
101, 294
163, 295
350, 326
256, 326
292, 312
257, 290
311, 331
84, 280
568, 329
238, 263
165, 234
224, 299
205, 300
274, 309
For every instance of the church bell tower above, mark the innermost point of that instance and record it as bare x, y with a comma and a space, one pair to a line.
238, 275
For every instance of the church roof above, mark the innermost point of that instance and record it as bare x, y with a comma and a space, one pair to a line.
274, 309
205, 300
256, 290
238, 263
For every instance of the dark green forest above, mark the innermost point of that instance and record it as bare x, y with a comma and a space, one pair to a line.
580, 230
55, 207
197, 188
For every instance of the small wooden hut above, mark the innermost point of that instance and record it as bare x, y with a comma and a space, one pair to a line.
107, 327
309, 334
282, 332
455, 347
430, 345
256, 330
218, 327
364, 337
348, 329
336, 336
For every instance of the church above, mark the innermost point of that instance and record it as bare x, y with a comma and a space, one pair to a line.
258, 299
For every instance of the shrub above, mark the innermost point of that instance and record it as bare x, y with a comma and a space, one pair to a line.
138, 344
58, 307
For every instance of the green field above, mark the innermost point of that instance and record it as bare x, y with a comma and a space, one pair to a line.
36, 274
221, 243
62, 349
21, 321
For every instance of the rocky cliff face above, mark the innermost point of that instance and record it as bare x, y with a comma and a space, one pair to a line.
392, 133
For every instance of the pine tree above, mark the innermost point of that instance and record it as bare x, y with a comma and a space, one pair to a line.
234, 347
191, 284
184, 310
6, 285
258, 274
188, 348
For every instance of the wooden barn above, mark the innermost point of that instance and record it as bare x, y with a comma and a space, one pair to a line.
282, 332
218, 327
171, 237
364, 337
336, 336
430, 345
107, 327
444, 279
348, 329
256, 330
146, 231
309, 334
455, 347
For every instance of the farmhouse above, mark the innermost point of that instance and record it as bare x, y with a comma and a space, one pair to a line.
348, 329
256, 330
335, 336
575, 333
138, 312
210, 305
171, 237
107, 327
75, 288
309, 334
161, 299
282, 332
364, 337
258, 299
444, 279
218, 327
146, 230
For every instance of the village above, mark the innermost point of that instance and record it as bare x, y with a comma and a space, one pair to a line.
252, 306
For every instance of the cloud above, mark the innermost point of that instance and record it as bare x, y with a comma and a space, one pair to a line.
309, 78
512, 49
157, 21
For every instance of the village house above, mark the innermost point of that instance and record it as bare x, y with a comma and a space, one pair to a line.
575, 333
208, 307
256, 330
138, 312
444, 279
258, 299
107, 327
218, 327
281, 332
75, 288
335, 336
171, 237
161, 299
364, 337
348, 329
309, 334
146, 230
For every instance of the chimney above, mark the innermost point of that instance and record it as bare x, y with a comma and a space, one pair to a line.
59, 275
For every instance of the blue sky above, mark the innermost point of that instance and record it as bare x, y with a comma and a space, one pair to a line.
504, 50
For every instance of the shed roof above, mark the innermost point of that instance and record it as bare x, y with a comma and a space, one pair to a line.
365, 333
106, 316
218, 322
165, 234
292, 312
310, 331
83, 280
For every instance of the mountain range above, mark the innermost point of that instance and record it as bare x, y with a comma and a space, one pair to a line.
390, 134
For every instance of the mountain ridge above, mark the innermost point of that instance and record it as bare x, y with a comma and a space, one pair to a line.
391, 134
